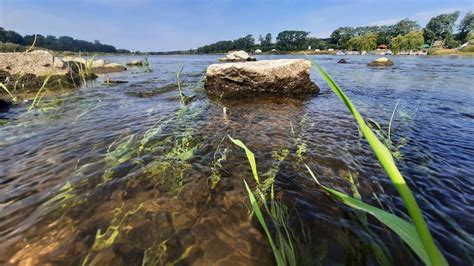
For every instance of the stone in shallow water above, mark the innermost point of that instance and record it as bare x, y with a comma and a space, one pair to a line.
382, 61
270, 77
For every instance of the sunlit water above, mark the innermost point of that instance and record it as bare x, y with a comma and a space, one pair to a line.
107, 176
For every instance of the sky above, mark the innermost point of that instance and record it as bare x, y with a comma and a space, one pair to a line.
165, 25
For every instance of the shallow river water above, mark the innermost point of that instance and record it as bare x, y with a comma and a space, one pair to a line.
122, 175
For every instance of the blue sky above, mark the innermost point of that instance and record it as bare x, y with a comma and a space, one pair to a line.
149, 25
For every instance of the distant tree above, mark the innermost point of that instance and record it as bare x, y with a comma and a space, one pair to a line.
405, 26
63, 43
266, 42
317, 43
397, 44
291, 40
385, 34
12, 37
414, 40
466, 26
411, 41
246, 43
341, 35
440, 27
366, 42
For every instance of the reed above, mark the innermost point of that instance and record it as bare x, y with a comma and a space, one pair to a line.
38, 95
7, 91
420, 239
284, 249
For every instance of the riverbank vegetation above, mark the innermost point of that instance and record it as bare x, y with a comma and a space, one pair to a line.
11, 41
404, 35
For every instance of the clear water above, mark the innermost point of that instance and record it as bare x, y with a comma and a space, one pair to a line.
107, 176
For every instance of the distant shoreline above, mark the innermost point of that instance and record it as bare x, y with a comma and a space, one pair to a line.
437, 52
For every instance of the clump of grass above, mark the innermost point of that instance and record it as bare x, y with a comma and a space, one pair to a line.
283, 247
417, 236
219, 157
183, 98
146, 65
386, 135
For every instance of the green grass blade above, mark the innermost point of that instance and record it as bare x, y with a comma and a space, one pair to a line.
45, 81
7, 91
405, 230
250, 157
258, 213
386, 160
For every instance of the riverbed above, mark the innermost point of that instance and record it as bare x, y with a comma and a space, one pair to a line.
124, 174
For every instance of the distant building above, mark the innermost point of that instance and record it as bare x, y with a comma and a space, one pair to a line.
382, 46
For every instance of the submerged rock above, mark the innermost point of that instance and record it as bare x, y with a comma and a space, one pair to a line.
342, 61
283, 76
108, 68
382, 61
29, 70
135, 63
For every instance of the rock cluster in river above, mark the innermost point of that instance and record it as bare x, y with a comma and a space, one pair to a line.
30, 69
99, 66
237, 56
246, 79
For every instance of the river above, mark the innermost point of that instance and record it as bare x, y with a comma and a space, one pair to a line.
125, 175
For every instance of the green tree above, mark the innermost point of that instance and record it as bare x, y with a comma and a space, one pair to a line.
366, 42
397, 44
341, 35
405, 26
291, 40
411, 41
266, 42
466, 26
245, 43
385, 34
440, 28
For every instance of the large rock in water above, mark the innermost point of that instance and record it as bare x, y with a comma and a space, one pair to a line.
283, 77
28, 70
381, 62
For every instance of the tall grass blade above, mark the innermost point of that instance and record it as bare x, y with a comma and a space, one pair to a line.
250, 157
279, 259
405, 230
35, 100
7, 91
386, 160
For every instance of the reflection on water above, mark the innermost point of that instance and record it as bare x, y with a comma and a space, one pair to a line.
124, 175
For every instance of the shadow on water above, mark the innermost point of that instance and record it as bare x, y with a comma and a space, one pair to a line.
125, 175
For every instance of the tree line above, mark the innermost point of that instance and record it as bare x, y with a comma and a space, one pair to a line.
63, 43
404, 35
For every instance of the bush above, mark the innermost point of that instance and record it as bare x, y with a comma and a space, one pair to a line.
11, 47
468, 49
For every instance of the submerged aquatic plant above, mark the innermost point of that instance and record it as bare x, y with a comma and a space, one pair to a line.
418, 237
